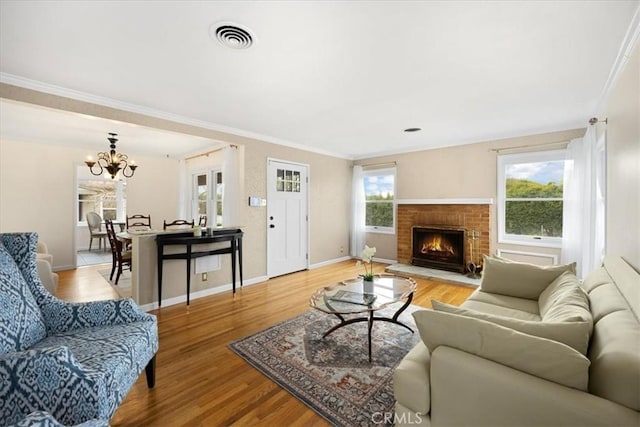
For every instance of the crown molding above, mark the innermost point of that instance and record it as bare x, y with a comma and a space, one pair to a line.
626, 49
77, 95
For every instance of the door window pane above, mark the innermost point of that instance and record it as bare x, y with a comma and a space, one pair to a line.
201, 194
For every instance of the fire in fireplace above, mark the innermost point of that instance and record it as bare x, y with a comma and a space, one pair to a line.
439, 247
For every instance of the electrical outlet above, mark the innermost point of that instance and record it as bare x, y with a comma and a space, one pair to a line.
341, 249
204, 277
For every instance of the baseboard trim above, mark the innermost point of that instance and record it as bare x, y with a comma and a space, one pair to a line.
331, 261
62, 268
385, 261
201, 294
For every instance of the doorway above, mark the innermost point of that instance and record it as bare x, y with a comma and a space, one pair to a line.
287, 217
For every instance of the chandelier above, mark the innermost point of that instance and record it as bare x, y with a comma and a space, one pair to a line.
112, 162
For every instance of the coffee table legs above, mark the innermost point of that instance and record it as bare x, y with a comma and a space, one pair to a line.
369, 319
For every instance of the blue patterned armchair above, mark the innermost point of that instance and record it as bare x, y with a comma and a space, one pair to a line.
76, 361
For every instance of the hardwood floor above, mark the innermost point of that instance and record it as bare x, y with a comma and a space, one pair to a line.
199, 381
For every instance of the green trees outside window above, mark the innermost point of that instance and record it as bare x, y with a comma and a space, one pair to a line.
532, 195
379, 212
379, 191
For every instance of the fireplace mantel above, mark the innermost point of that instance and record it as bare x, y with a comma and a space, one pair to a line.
473, 201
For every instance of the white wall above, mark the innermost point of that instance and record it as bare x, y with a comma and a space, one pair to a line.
623, 164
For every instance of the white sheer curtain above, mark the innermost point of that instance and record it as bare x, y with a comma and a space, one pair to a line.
357, 213
583, 226
183, 189
231, 181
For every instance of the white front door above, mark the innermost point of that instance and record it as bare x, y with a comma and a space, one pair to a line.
287, 220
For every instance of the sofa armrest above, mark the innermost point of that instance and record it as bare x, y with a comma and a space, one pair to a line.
48, 278
39, 380
470, 390
61, 316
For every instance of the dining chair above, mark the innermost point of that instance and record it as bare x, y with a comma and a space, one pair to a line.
138, 220
202, 222
94, 221
179, 223
120, 257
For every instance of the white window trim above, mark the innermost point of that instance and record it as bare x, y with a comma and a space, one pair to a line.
531, 157
385, 171
212, 197
120, 205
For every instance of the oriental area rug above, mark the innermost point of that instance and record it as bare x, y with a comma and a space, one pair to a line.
333, 375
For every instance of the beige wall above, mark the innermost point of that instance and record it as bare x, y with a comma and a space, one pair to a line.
623, 164
467, 171
329, 189
37, 193
329, 199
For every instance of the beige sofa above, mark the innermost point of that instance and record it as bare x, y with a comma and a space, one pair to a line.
44, 264
533, 358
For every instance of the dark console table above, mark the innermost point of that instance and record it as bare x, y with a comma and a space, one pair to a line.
233, 236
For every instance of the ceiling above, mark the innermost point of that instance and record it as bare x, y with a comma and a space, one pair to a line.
344, 78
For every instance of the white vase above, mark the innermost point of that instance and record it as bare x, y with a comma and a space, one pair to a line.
367, 286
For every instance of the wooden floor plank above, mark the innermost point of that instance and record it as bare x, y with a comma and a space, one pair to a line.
199, 381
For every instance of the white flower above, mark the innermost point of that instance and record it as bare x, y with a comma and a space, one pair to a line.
368, 253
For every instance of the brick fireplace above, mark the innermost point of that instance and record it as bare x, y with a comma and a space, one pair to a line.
466, 218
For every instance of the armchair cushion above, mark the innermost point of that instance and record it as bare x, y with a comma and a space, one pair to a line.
537, 356
21, 322
115, 353
574, 334
519, 279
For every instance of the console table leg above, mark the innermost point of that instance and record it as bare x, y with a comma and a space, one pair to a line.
233, 264
240, 258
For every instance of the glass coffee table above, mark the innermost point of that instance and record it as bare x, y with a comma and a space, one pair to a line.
356, 296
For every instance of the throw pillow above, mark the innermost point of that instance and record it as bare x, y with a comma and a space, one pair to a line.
519, 279
562, 289
537, 356
574, 334
21, 322
571, 306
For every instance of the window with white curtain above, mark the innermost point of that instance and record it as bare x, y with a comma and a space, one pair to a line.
530, 198
379, 193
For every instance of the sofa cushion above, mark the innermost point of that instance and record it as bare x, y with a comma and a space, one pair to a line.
117, 352
615, 355
21, 322
411, 383
519, 279
520, 308
615, 345
565, 301
537, 356
563, 283
572, 306
574, 334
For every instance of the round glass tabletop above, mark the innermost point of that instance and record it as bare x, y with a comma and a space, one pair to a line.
357, 296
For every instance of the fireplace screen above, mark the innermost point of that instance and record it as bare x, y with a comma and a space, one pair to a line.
441, 248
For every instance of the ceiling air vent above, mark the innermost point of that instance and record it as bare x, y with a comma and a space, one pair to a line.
232, 35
